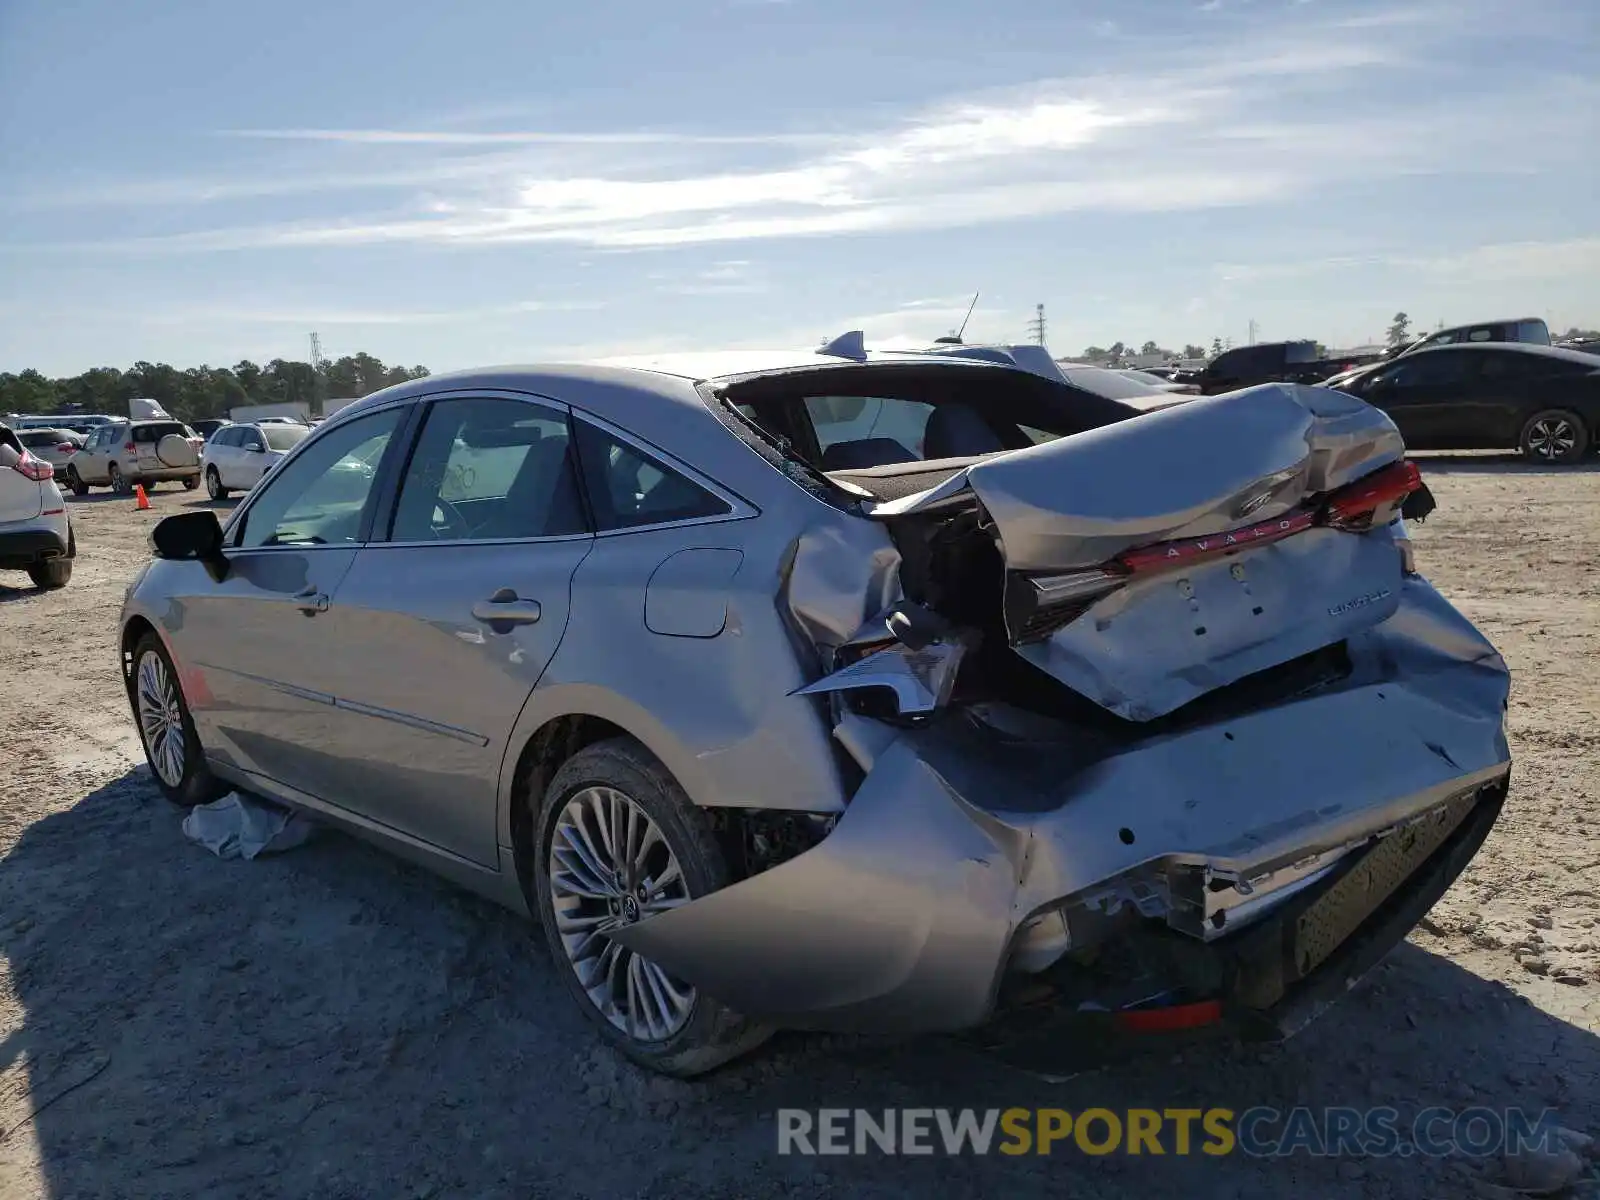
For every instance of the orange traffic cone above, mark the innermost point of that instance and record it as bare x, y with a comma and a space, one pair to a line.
144, 501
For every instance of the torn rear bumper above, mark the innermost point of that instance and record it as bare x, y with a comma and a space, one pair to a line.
906, 917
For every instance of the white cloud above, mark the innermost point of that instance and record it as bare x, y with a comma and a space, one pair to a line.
1490, 263
1281, 115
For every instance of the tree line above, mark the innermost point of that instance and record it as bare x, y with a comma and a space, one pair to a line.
200, 392
1120, 350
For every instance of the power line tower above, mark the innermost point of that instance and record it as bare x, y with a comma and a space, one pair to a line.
1253, 328
1036, 327
316, 352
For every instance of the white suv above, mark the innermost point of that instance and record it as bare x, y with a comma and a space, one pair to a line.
237, 456
123, 453
35, 534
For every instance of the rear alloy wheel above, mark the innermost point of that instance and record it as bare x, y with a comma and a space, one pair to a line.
51, 574
119, 485
619, 842
166, 729
190, 482
214, 487
76, 483
1554, 436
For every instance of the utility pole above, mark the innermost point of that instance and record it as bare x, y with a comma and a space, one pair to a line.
1253, 328
1036, 327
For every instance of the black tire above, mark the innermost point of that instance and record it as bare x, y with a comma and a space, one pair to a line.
76, 483
1554, 436
214, 487
119, 482
196, 784
713, 1034
191, 482
51, 574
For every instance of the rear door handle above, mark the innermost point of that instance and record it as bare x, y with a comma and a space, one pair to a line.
311, 601
505, 609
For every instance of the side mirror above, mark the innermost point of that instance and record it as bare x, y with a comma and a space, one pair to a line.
191, 536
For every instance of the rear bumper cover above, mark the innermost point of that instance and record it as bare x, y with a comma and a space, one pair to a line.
163, 474
904, 917
21, 548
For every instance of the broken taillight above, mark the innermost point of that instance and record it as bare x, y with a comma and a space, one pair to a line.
1050, 601
35, 469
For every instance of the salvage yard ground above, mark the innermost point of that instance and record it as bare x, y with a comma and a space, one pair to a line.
333, 1023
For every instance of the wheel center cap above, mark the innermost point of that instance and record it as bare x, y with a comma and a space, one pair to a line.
630, 909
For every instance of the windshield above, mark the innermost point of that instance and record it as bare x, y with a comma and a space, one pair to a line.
284, 437
1114, 385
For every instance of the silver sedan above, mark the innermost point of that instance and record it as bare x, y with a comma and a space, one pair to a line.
850, 691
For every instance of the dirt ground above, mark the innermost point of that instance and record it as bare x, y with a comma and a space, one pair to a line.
331, 1023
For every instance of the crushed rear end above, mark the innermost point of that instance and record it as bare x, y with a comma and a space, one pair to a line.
1155, 723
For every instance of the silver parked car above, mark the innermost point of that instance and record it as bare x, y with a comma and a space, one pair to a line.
55, 446
845, 691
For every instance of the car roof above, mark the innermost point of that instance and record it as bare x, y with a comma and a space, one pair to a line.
667, 374
1529, 348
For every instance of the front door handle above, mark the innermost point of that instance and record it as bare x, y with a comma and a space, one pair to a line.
504, 609
311, 601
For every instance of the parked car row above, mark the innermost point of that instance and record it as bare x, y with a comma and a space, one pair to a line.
1490, 385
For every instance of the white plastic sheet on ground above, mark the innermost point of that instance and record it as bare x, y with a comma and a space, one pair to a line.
241, 826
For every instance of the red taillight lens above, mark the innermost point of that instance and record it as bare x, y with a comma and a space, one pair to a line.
33, 468
1362, 498
66, 448
129, 447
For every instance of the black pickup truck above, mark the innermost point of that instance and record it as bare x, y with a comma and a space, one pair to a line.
1265, 362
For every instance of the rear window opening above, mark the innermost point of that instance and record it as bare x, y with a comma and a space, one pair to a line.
895, 429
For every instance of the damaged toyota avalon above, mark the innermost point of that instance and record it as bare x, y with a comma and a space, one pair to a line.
911, 692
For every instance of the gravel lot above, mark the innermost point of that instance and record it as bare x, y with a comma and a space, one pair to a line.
332, 1023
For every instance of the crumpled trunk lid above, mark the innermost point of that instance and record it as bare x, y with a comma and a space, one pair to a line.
1155, 560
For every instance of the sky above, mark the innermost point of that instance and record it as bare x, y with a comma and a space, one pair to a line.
491, 181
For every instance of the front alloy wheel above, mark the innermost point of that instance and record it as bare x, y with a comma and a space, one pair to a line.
160, 718
610, 867
166, 728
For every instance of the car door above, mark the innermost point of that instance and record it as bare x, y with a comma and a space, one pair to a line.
263, 648
1497, 403
218, 453
90, 462
250, 459
1423, 394
461, 609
